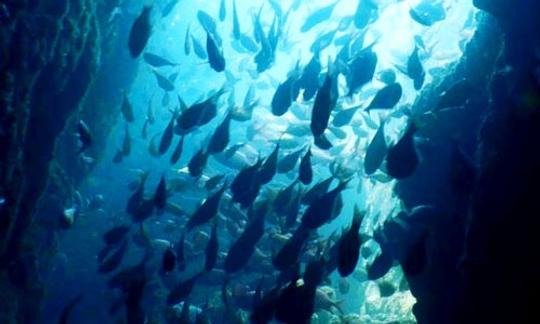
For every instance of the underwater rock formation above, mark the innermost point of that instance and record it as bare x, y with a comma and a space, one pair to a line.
51, 56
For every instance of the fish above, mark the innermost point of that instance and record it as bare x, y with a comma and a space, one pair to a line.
268, 169
113, 261
177, 153
248, 43
164, 83
221, 136
237, 34
349, 246
285, 94
323, 41
284, 197
344, 117
197, 163
288, 255
289, 161
317, 190
198, 48
187, 41
361, 69
168, 261
182, 290
376, 151
325, 101
215, 54
387, 97
211, 250
68, 309
402, 159
209, 25
264, 312
127, 109
116, 234
199, 114
245, 180
160, 196
305, 174
140, 32
85, 136
126, 144
321, 208
365, 13
317, 17
167, 137
206, 211
415, 70
309, 80
156, 60
213, 182
222, 10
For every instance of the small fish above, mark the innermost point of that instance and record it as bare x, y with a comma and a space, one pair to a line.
111, 262
140, 33
361, 69
160, 196
376, 151
387, 97
318, 16
365, 13
325, 101
321, 209
211, 250
166, 138
182, 290
220, 137
285, 95
237, 34
116, 234
269, 167
305, 174
168, 8
156, 60
215, 54
344, 117
197, 163
206, 211
126, 144
349, 246
222, 10
187, 42
317, 190
198, 48
127, 109
289, 161
415, 70
177, 153
288, 255
163, 82
85, 137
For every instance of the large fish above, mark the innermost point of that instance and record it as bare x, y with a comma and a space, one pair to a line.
387, 97
156, 60
215, 54
305, 174
325, 102
220, 137
211, 250
349, 246
376, 151
321, 209
140, 33
167, 137
361, 69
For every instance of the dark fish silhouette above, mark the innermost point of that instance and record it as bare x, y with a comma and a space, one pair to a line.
387, 97
321, 209
211, 250
168, 262
116, 234
156, 60
220, 137
164, 83
415, 70
206, 211
111, 262
182, 290
166, 138
376, 151
68, 309
177, 153
361, 69
290, 252
160, 196
215, 54
140, 33
349, 246
269, 167
289, 161
127, 109
305, 174
197, 163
